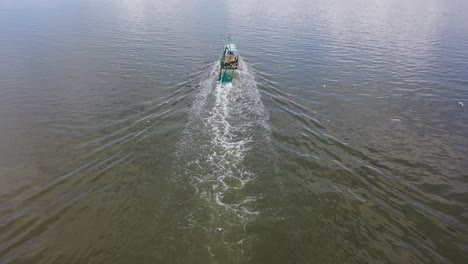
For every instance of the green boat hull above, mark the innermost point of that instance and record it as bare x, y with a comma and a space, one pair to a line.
229, 63
226, 76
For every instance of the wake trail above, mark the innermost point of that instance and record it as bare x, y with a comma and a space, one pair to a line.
226, 122
224, 149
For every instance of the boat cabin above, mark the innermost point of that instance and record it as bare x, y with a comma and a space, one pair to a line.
230, 59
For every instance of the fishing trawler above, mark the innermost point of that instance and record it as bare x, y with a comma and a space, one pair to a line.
229, 63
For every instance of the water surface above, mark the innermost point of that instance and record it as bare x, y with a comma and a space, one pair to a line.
343, 138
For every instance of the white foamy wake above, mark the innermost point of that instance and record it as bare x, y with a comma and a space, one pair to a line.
225, 123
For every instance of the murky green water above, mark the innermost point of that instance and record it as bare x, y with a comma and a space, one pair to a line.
343, 138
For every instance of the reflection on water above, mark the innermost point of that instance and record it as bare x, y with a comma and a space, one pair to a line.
342, 138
